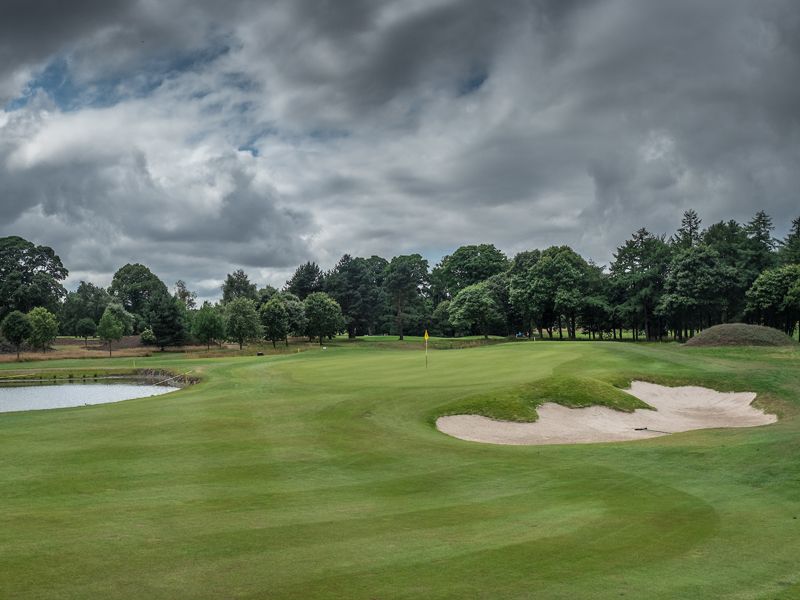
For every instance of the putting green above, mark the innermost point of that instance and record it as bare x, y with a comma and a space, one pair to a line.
321, 475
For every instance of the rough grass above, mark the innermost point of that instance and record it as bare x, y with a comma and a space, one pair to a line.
740, 334
519, 403
318, 475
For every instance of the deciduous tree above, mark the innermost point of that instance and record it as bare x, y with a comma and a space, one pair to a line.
15, 328
242, 323
324, 315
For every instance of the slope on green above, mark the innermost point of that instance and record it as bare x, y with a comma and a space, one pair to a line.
319, 475
519, 403
740, 334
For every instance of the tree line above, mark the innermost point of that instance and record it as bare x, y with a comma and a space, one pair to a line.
656, 287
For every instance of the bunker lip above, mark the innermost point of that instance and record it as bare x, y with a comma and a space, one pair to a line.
677, 409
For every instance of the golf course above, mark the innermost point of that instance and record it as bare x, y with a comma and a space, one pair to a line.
321, 474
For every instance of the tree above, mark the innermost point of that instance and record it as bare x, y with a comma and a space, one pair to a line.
125, 318
475, 306
689, 233
275, 321
440, 320
324, 315
15, 328
306, 280
185, 295
85, 328
87, 302
790, 247
729, 240
44, 327
30, 276
637, 274
167, 321
237, 285
295, 312
404, 280
469, 265
241, 321
111, 328
356, 287
133, 286
771, 299
208, 325
761, 250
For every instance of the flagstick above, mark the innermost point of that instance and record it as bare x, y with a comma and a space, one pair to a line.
426, 353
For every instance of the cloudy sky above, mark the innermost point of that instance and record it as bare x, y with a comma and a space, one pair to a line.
198, 136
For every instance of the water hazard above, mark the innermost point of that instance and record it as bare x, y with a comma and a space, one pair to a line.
38, 397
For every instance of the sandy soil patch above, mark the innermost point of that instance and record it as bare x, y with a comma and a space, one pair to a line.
677, 409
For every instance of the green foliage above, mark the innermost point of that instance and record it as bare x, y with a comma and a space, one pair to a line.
790, 248
134, 286
405, 278
237, 285
306, 280
111, 328
44, 327
87, 302
469, 265
208, 325
740, 334
356, 285
242, 323
275, 320
148, 338
167, 321
16, 328
86, 328
324, 315
295, 312
30, 276
185, 295
125, 318
770, 301
475, 306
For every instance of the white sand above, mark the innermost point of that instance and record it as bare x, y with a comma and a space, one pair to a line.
677, 409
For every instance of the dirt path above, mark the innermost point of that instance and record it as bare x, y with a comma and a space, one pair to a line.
677, 409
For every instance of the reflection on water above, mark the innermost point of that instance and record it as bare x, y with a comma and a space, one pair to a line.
38, 397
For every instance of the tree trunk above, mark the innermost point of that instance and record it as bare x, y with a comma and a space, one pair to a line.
109, 348
286, 339
241, 344
273, 344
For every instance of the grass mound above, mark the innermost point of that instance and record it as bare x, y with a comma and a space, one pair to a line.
740, 334
519, 403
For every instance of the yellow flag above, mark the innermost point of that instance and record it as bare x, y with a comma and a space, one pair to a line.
426, 335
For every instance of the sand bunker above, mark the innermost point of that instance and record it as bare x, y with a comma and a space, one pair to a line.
677, 409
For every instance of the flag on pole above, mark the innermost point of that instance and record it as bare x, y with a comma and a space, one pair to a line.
426, 348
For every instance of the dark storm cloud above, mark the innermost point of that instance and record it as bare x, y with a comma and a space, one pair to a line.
387, 126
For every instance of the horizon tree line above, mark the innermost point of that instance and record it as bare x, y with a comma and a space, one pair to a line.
655, 287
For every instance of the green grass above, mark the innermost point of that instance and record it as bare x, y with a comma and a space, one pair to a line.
740, 334
320, 475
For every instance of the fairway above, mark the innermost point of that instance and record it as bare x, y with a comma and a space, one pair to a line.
321, 475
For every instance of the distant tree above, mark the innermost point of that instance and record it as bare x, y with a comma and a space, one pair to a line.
475, 306
295, 312
87, 302
638, 273
208, 325
167, 321
324, 315
242, 323
125, 318
306, 280
440, 320
355, 286
404, 280
111, 328
185, 295
85, 328
761, 249
44, 327
15, 328
689, 233
469, 265
237, 285
275, 321
30, 276
771, 299
133, 286
148, 338
694, 290
790, 248
265, 294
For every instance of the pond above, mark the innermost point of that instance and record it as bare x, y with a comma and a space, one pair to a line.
38, 397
